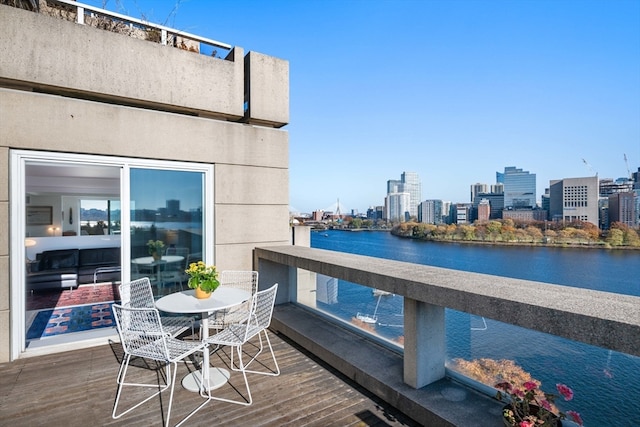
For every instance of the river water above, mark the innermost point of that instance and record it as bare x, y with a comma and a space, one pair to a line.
606, 384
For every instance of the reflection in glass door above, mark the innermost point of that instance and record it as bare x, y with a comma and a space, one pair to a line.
167, 225
73, 259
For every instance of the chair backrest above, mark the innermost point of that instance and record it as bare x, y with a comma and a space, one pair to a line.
141, 332
137, 294
262, 309
246, 280
172, 250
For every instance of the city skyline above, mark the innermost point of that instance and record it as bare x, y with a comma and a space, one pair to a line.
453, 91
539, 191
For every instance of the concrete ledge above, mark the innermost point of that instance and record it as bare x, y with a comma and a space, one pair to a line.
379, 370
603, 319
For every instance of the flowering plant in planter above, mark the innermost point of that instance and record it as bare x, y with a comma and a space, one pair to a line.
203, 276
155, 246
529, 406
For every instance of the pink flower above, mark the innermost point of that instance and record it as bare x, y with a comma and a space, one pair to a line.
565, 391
518, 393
545, 404
530, 385
575, 417
526, 423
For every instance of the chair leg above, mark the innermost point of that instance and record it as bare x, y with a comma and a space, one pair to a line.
273, 357
121, 383
247, 402
207, 399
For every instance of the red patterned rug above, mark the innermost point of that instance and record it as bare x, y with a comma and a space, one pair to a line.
84, 294
65, 320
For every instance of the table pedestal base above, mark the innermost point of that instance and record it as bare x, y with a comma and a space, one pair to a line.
217, 378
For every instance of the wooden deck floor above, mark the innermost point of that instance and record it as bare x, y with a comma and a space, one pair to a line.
78, 388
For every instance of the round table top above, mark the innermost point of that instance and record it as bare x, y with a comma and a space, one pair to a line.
148, 260
186, 302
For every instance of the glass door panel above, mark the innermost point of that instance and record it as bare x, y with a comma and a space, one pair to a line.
166, 225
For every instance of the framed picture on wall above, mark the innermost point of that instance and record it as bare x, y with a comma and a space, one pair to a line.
39, 215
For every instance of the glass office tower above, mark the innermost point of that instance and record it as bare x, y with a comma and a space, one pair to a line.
519, 188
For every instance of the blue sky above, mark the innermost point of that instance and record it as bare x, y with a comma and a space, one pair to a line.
452, 90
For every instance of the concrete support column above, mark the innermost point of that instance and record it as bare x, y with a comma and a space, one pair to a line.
301, 235
271, 272
424, 343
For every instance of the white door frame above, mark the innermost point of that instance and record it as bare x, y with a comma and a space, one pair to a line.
17, 226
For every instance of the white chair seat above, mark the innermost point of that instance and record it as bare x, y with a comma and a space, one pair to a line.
138, 294
236, 335
242, 279
142, 335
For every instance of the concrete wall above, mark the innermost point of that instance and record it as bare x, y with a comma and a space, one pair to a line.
267, 84
148, 89
84, 59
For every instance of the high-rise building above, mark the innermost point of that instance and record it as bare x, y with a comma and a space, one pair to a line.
447, 212
497, 188
544, 201
413, 186
430, 212
622, 208
609, 186
397, 205
519, 188
409, 183
478, 188
463, 213
572, 199
496, 203
484, 210
394, 186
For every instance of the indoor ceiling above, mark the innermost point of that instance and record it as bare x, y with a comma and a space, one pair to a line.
69, 179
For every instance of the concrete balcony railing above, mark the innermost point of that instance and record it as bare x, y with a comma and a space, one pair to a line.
610, 321
90, 53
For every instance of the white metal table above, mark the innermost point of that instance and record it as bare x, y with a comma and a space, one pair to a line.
149, 261
186, 303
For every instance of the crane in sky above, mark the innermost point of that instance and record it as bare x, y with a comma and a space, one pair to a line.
626, 162
589, 166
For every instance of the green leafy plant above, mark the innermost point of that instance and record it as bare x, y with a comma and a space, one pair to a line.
529, 406
155, 246
203, 276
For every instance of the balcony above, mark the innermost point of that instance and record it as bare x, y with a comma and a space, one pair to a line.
417, 380
78, 388
331, 374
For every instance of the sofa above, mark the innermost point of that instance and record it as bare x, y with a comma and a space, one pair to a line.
69, 268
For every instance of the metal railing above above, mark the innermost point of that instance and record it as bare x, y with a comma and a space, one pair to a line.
165, 31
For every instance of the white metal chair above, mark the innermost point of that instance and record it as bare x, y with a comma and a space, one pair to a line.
138, 294
142, 335
246, 280
237, 335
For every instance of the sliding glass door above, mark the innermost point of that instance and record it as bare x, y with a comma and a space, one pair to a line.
167, 225
146, 218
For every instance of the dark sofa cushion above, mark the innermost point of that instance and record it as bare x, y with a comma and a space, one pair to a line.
63, 268
58, 259
93, 258
101, 257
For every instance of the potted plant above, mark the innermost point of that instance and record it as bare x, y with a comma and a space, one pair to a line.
203, 278
528, 406
155, 249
